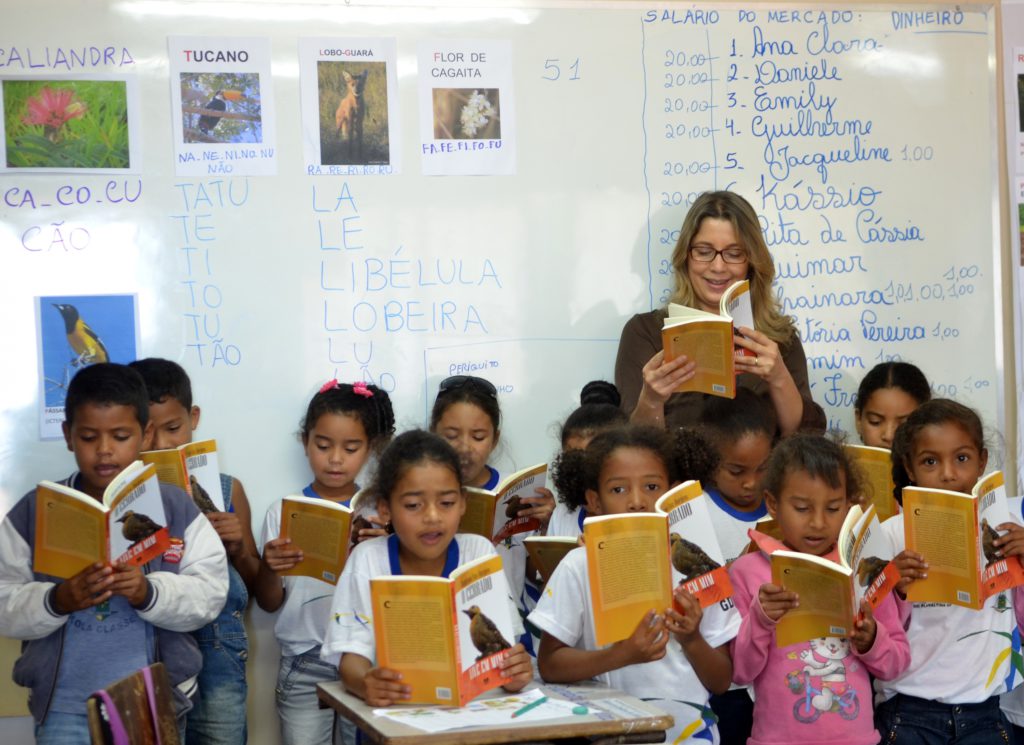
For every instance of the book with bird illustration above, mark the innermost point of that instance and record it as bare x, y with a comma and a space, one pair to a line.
707, 338
321, 529
876, 465
73, 530
447, 637
628, 569
698, 562
194, 468
955, 533
830, 592
494, 513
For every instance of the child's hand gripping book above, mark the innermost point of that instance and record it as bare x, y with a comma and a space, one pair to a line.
830, 593
629, 571
707, 339
447, 637
192, 467
698, 562
321, 529
73, 530
955, 533
876, 465
494, 514
546, 551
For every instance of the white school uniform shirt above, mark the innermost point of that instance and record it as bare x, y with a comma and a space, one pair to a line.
566, 522
565, 612
350, 617
731, 525
953, 650
302, 617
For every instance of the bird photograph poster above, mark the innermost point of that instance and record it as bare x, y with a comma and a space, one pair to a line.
350, 122
76, 331
82, 125
222, 106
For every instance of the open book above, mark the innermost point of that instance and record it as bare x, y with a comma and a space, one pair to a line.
707, 339
493, 513
628, 569
698, 562
546, 551
876, 465
830, 593
955, 533
447, 637
321, 529
192, 467
73, 530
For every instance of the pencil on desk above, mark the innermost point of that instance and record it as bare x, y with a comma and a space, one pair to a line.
531, 705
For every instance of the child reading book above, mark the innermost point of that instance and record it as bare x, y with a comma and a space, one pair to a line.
672, 657
817, 691
419, 487
344, 424
467, 415
105, 622
885, 398
598, 410
219, 713
960, 658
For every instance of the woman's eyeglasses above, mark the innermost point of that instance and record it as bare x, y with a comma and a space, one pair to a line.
706, 254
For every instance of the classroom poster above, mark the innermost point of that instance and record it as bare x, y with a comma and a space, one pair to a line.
1018, 71
349, 89
467, 107
76, 331
81, 124
222, 106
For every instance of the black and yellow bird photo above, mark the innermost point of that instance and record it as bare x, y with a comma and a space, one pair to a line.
85, 343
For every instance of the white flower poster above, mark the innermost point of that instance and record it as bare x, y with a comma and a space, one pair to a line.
467, 107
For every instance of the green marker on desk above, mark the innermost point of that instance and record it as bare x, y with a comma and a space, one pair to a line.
531, 705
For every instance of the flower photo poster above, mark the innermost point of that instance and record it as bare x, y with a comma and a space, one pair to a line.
467, 108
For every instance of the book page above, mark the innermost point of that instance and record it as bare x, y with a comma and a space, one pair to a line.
506, 519
826, 600
870, 558
698, 561
942, 528
321, 531
627, 559
70, 533
413, 624
876, 465
484, 627
204, 475
546, 552
138, 524
170, 466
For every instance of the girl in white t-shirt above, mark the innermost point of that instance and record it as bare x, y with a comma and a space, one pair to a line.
671, 658
598, 410
960, 659
419, 492
344, 424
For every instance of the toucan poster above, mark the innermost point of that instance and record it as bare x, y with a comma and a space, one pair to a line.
222, 106
76, 331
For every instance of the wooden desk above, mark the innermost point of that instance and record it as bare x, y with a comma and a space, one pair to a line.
601, 724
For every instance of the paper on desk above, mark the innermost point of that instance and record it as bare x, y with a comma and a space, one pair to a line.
481, 713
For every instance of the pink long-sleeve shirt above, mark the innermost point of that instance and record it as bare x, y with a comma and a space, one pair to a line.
813, 692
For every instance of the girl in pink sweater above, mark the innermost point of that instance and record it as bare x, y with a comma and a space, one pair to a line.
817, 691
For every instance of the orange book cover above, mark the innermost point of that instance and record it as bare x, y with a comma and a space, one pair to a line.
321, 529
876, 465
494, 514
192, 467
448, 637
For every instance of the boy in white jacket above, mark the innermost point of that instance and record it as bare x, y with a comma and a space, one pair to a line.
86, 632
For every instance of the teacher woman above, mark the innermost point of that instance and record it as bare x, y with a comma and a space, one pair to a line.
720, 243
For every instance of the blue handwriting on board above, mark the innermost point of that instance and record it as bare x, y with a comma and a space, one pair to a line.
872, 330
202, 201
59, 58
819, 267
75, 195
928, 18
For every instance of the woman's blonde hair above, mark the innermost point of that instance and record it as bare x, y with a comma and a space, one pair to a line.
727, 205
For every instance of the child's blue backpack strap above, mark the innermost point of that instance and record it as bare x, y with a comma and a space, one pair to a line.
226, 484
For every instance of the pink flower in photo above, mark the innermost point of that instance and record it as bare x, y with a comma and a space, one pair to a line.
52, 108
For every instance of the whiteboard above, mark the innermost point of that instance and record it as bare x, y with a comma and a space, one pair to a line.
873, 170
